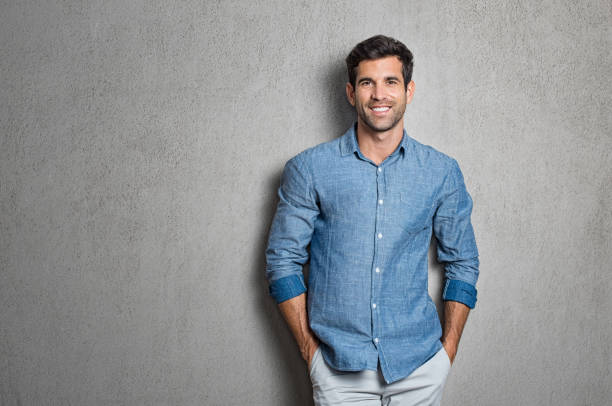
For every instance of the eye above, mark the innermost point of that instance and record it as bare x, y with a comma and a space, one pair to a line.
365, 83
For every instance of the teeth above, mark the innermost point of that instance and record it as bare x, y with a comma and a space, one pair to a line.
380, 108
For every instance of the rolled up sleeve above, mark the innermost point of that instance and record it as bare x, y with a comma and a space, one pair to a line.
291, 232
456, 242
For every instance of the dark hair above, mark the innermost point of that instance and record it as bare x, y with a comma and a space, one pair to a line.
377, 47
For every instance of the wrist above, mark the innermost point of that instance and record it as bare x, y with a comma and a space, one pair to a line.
451, 351
451, 342
309, 348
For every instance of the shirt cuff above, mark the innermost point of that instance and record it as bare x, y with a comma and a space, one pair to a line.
459, 291
288, 287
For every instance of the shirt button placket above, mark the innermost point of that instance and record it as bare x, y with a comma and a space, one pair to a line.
377, 253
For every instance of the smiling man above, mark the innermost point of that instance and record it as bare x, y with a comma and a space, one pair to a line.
367, 204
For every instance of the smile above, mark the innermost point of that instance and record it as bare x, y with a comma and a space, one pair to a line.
380, 109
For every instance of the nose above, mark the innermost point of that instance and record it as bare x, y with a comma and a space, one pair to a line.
379, 92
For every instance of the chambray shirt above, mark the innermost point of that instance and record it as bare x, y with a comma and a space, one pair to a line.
369, 228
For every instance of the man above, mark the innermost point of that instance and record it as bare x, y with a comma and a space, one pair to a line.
367, 203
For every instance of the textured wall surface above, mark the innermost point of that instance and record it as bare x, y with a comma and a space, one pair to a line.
141, 148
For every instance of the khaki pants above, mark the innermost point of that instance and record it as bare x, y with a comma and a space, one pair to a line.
368, 388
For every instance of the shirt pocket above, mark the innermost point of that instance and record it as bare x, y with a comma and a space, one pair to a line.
416, 211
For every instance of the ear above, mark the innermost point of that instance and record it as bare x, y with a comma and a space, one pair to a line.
410, 92
350, 93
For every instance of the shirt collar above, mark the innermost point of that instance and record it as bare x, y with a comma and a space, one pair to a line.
348, 142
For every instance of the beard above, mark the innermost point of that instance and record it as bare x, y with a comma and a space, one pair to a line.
381, 124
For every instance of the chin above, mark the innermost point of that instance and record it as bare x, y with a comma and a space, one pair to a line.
382, 127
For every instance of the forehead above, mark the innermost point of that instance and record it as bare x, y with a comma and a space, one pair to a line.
382, 67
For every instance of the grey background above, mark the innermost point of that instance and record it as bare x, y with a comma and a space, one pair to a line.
141, 148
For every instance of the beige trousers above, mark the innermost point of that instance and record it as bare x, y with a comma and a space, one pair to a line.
422, 387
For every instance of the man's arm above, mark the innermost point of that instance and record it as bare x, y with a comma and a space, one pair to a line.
458, 252
290, 234
294, 312
455, 316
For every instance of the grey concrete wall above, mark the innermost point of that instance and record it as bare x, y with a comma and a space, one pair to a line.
141, 147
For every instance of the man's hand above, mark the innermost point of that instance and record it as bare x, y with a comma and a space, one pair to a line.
294, 312
451, 350
455, 316
311, 353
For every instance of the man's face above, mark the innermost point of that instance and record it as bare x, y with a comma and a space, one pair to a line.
379, 95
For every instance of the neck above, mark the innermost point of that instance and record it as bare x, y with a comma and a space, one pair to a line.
376, 145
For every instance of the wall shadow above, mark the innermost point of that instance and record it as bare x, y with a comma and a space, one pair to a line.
343, 116
293, 373
436, 278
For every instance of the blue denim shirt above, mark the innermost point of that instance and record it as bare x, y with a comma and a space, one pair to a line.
369, 228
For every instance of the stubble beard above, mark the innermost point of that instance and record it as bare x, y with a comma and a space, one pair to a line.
398, 115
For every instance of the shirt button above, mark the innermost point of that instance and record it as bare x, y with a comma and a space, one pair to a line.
379, 236
379, 169
376, 340
373, 305
377, 270
380, 201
